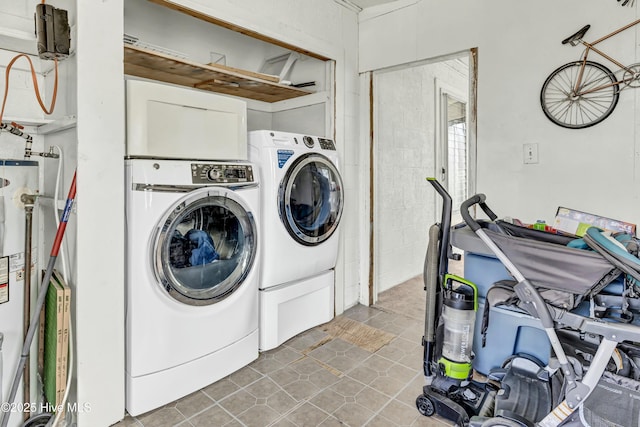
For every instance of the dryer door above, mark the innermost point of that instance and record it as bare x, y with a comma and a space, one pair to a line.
311, 199
204, 246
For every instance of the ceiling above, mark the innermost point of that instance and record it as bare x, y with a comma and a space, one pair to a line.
368, 3
362, 4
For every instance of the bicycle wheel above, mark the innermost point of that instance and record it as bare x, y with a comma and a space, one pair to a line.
566, 107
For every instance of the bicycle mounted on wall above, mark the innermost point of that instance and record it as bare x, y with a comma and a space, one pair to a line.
583, 93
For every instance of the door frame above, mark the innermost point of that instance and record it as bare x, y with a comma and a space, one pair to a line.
368, 291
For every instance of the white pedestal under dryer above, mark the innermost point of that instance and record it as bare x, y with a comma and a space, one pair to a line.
192, 276
302, 202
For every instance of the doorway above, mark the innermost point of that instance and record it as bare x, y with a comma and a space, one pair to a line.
423, 125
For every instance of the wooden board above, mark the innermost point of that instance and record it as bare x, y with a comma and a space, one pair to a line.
261, 76
357, 333
153, 65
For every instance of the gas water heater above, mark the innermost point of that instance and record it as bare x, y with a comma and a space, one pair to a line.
17, 177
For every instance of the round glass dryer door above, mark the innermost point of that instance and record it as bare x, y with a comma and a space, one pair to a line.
311, 199
204, 247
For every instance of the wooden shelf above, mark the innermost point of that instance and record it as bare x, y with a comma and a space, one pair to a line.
154, 65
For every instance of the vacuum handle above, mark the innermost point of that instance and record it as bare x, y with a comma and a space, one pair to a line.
445, 225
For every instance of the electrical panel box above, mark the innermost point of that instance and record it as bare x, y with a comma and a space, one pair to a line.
52, 31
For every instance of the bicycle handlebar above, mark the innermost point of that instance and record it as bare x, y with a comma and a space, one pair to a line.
573, 39
478, 199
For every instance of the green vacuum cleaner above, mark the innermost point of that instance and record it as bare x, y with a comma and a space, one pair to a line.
450, 313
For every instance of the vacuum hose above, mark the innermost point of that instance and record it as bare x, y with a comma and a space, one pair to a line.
430, 277
35, 319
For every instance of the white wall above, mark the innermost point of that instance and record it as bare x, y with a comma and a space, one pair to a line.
595, 169
405, 141
100, 219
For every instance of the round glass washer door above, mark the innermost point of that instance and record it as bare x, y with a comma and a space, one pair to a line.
311, 199
204, 247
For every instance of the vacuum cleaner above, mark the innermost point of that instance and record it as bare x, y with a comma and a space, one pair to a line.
514, 395
451, 305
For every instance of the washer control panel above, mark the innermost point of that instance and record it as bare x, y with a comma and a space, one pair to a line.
221, 173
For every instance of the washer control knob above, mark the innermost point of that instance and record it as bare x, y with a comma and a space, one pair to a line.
213, 174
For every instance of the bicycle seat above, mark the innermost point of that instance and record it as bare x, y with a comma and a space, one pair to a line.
575, 38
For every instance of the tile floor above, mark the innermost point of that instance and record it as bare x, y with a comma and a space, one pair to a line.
364, 368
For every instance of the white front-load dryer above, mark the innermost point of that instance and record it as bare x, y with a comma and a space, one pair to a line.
192, 273
302, 203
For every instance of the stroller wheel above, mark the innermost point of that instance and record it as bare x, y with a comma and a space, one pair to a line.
501, 422
425, 406
40, 420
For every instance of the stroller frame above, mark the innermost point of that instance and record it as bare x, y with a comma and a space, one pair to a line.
552, 317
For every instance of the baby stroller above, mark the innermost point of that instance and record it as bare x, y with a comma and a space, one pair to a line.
551, 282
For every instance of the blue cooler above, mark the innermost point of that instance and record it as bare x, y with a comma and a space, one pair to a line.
510, 332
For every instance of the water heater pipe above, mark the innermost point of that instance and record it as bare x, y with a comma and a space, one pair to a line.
29, 202
42, 294
16, 129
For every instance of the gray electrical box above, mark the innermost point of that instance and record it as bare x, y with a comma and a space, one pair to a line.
52, 31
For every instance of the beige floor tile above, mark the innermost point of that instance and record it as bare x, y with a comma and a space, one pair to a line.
371, 399
194, 403
258, 416
128, 421
347, 387
353, 414
263, 388
387, 385
301, 389
328, 400
245, 376
307, 415
401, 414
284, 376
214, 416
284, 423
238, 402
281, 402
221, 389
163, 417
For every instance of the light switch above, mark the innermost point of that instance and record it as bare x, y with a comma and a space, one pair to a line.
530, 152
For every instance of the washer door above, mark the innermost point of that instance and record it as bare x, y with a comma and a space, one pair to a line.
311, 199
204, 247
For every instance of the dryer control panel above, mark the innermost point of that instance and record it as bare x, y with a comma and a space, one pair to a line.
221, 173
327, 144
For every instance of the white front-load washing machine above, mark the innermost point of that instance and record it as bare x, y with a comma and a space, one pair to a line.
302, 202
192, 276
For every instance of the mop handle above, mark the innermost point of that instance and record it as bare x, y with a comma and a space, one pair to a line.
35, 319
65, 218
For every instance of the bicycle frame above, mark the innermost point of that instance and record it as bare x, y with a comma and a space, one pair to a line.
591, 47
